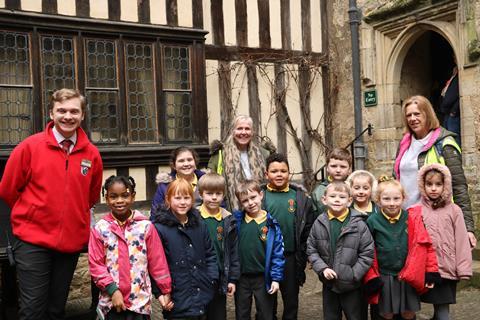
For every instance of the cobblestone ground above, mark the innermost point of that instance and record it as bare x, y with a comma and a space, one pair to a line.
467, 307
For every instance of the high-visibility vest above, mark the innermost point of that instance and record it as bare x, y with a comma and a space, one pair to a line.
435, 154
220, 163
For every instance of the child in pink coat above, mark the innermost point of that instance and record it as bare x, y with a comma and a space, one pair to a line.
124, 253
445, 224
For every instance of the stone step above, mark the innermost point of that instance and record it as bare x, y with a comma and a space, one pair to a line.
475, 280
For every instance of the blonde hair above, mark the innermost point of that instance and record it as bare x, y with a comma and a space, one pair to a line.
211, 182
64, 94
339, 186
178, 186
363, 173
383, 183
425, 107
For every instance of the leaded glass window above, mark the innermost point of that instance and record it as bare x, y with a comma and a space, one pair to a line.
102, 90
15, 88
141, 104
177, 90
58, 66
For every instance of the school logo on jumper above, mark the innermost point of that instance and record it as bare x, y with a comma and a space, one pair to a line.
291, 205
263, 236
219, 233
85, 165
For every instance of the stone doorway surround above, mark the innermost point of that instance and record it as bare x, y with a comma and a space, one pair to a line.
385, 43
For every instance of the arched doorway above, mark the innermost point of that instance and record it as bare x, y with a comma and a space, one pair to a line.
428, 70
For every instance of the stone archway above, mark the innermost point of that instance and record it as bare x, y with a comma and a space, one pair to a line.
421, 61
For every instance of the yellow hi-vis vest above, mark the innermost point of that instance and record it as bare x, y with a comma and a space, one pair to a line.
435, 154
220, 163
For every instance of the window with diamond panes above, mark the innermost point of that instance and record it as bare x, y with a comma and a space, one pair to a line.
15, 88
177, 91
102, 90
58, 66
141, 104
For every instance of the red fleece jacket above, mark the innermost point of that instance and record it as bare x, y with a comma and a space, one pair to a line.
50, 192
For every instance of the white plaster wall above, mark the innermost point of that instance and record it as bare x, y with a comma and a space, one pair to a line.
207, 21
268, 126
66, 7
99, 9
239, 88
185, 18
107, 173
253, 23
31, 5
213, 103
158, 12
275, 24
296, 24
129, 11
138, 173
292, 102
317, 120
229, 22
2, 3
316, 25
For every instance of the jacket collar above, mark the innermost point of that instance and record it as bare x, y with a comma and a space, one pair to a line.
82, 138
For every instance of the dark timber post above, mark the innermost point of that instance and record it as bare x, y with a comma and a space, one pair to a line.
359, 147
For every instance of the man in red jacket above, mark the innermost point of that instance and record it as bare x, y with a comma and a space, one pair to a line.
51, 181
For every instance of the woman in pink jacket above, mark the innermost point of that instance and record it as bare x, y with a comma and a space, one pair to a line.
124, 253
445, 224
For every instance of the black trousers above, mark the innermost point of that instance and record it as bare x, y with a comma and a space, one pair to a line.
44, 278
217, 308
289, 289
350, 303
249, 286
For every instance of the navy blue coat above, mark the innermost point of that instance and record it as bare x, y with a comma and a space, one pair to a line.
192, 262
274, 257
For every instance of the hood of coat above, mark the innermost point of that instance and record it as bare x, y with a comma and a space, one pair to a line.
165, 177
447, 181
166, 217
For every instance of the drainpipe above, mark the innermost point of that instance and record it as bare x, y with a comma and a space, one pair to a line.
359, 153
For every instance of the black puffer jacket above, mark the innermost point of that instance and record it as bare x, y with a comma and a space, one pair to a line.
352, 258
192, 262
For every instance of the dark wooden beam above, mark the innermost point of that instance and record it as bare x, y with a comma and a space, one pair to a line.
234, 53
285, 24
197, 13
49, 6
225, 93
172, 13
199, 113
82, 8
143, 11
241, 22
280, 95
306, 26
123, 171
216, 12
254, 105
264, 23
151, 185
114, 10
12, 4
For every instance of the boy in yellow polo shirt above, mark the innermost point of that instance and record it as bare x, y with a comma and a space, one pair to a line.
222, 228
340, 249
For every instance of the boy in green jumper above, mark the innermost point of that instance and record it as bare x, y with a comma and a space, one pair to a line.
293, 209
340, 249
261, 254
339, 166
222, 227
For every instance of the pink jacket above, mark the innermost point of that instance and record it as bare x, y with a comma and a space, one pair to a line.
125, 258
447, 229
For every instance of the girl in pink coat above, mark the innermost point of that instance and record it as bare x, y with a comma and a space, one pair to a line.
446, 226
124, 253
